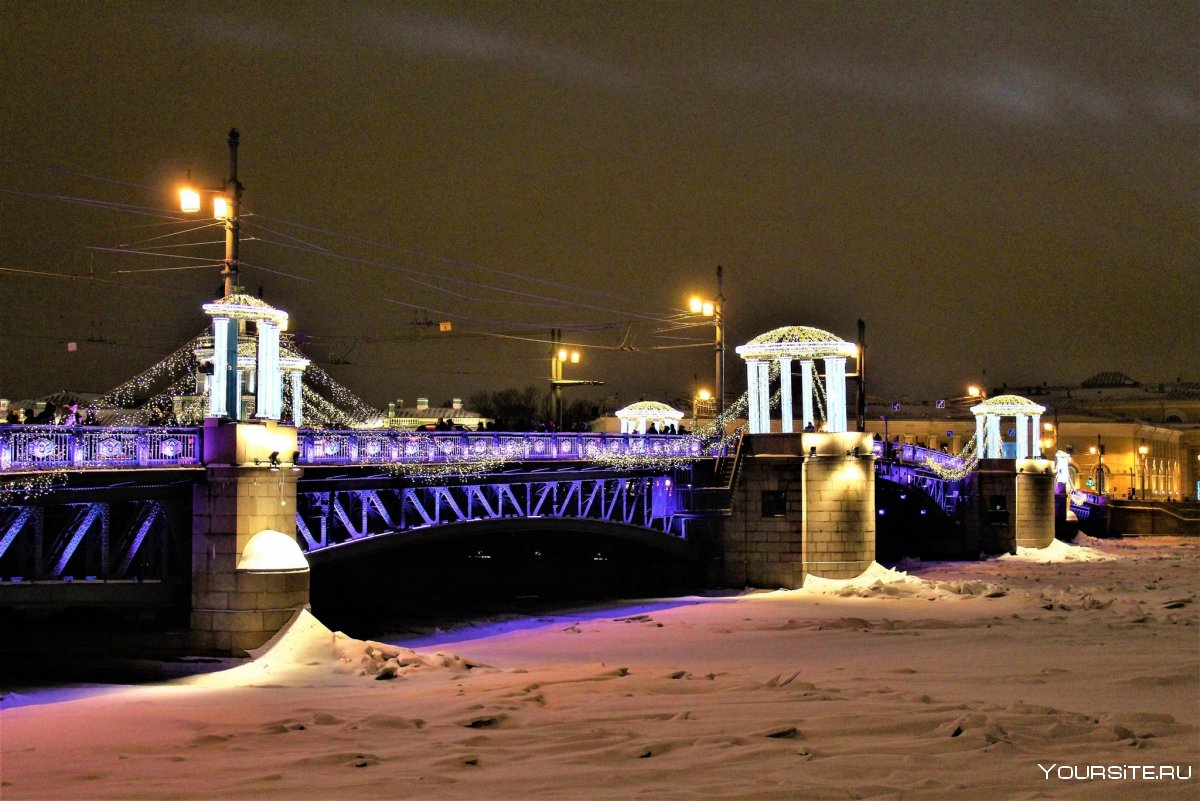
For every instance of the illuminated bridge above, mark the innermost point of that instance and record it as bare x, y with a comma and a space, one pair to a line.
112, 504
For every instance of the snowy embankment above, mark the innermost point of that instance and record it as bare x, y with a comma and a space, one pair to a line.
950, 680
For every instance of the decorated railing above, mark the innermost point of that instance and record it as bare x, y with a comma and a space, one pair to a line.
327, 447
916, 454
24, 447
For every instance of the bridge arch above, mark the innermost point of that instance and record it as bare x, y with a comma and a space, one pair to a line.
365, 547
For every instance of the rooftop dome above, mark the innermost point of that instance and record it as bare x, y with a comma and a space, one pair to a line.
649, 409
799, 341
246, 307
1007, 404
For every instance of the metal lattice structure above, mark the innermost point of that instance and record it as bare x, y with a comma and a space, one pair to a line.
330, 516
93, 540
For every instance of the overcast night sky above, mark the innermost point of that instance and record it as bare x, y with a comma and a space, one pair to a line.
1008, 187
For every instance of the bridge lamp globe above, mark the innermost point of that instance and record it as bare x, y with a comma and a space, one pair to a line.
974, 391
574, 357
696, 305
1143, 450
704, 394
189, 200
221, 208
562, 354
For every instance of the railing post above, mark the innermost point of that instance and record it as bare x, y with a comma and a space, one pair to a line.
142, 441
75, 448
5, 450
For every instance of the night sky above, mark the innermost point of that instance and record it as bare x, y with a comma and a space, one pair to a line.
999, 187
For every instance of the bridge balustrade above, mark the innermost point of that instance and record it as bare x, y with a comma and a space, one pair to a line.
41, 447
918, 454
336, 447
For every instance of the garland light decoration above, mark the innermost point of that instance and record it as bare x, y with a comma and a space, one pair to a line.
31, 485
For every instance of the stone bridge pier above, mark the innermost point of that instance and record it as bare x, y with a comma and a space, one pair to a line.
248, 574
803, 504
1012, 504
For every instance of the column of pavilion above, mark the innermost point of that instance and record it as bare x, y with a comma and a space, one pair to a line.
785, 345
1028, 425
271, 369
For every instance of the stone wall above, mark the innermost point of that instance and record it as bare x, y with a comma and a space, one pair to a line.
839, 513
766, 551
1034, 503
989, 518
236, 610
804, 503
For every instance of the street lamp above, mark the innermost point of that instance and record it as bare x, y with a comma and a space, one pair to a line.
1142, 451
705, 307
227, 203
1048, 439
701, 396
558, 357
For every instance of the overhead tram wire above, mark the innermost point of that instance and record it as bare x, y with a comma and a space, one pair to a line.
128, 208
452, 261
97, 280
318, 250
490, 287
312, 248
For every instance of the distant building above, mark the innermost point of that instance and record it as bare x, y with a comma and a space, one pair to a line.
1124, 438
400, 416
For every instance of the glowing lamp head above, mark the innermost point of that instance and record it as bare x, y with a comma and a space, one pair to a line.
574, 357
1143, 450
1048, 426
704, 394
696, 305
189, 200
1092, 449
707, 308
974, 391
562, 354
222, 210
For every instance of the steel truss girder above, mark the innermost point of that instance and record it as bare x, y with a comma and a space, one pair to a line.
101, 539
331, 516
932, 485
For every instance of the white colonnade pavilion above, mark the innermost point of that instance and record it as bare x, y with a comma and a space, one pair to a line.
1028, 426
637, 417
806, 345
240, 361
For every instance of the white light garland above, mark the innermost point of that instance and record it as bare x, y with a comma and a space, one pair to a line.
31, 485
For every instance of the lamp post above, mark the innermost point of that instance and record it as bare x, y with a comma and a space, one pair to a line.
715, 309
560, 355
227, 202
1098, 451
701, 396
1142, 451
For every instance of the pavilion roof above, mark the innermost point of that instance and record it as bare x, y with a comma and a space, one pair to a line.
799, 341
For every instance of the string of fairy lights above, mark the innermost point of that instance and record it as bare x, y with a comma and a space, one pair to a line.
31, 486
335, 406
171, 383
968, 458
